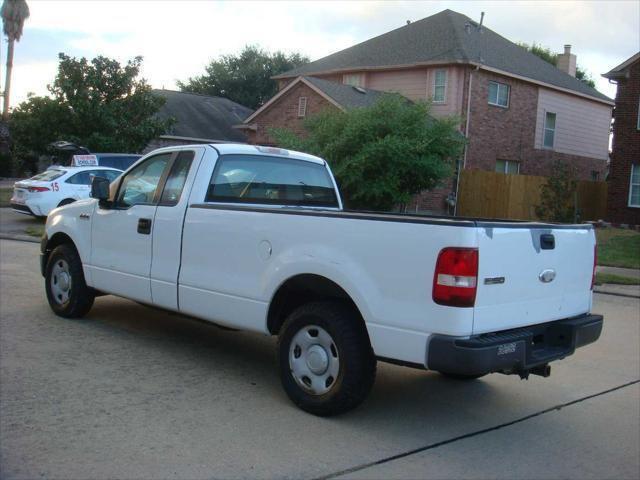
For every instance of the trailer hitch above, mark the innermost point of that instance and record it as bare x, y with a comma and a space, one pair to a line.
541, 370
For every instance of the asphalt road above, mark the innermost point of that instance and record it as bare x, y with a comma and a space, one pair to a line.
130, 392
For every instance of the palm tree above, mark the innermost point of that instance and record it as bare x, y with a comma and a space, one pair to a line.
14, 13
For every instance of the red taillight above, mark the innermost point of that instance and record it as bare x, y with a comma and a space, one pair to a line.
38, 189
456, 277
595, 264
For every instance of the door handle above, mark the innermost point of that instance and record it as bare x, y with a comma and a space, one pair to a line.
547, 241
144, 226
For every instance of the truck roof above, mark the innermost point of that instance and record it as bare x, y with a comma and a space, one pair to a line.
239, 148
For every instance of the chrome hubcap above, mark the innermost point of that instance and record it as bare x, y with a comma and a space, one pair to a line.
61, 282
313, 360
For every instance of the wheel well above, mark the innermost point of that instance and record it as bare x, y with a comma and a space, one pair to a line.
66, 201
57, 239
303, 289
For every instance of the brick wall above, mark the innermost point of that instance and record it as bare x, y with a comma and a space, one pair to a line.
626, 149
283, 113
497, 133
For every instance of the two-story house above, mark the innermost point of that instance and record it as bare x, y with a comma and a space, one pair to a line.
623, 205
518, 112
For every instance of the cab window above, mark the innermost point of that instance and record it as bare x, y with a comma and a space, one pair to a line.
176, 179
140, 185
271, 181
85, 178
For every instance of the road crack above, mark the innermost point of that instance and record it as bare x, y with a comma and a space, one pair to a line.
431, 446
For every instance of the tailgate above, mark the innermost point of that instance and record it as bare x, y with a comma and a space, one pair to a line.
529, 274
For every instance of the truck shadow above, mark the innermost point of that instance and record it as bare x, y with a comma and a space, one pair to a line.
235, 359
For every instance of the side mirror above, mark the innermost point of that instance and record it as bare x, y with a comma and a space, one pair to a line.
100, 189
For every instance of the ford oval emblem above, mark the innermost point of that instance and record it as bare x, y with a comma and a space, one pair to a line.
547, 276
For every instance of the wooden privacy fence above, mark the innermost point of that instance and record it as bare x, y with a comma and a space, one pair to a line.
497, 195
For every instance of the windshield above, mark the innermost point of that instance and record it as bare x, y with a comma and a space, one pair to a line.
48, 175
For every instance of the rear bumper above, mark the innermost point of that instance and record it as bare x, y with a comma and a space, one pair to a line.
21, 208
513, 351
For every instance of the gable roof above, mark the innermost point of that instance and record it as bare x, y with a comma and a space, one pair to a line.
201, 117
621, 70
446, 37
344, 97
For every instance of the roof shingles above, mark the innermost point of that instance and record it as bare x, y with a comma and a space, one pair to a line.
446, 37
203, 117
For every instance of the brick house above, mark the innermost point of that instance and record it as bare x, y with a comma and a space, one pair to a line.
623, 205
300, 98
199, 119
518, 112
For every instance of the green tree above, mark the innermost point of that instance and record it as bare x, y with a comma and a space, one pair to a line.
99, 104
244, 78
548, 56
558, 195
384, 154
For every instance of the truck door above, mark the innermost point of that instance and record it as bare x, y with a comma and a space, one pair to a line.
167, 227
121, 237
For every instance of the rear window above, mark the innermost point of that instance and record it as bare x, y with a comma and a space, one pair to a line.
271, 181
48, 175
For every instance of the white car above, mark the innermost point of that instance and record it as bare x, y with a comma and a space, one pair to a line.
55, 187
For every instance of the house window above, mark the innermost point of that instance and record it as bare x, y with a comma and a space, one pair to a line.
508, 166
354, 79
499, 94
595, 175
549, 129
302, 106
634, 187
439, 86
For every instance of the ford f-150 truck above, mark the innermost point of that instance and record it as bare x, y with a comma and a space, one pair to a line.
255, 238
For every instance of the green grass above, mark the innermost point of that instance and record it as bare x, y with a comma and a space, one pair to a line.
618, 247
618, 279
34, 231
5, 196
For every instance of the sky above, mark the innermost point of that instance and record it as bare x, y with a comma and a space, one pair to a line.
178, 38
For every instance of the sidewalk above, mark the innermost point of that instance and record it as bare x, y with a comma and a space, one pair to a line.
613, 289
623, 272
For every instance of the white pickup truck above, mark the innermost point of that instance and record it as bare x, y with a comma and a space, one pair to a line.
255, 238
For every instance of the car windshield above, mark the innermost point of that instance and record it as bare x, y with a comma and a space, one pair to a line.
48, 175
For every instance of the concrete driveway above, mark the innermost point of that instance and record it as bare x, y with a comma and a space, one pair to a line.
130, 392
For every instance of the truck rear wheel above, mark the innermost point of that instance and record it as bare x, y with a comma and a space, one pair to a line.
67, 293
326, 362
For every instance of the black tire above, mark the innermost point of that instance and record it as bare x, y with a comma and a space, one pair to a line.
80, 296
459, 376
66, 201
357, 362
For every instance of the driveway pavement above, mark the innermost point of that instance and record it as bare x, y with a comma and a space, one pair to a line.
13, 223
131, 392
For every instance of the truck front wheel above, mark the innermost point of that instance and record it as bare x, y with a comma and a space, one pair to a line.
326, 362
67, 293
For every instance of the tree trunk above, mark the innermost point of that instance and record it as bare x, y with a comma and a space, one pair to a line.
7, 82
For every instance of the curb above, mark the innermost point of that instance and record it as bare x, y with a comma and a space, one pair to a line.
19, 238
615, 294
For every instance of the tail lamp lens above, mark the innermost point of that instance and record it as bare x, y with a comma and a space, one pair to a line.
38, 189
456, 277
595, 263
